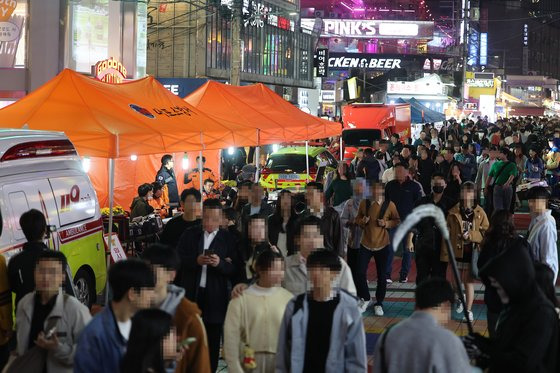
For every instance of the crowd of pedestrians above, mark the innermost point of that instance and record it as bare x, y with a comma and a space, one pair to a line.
282, 289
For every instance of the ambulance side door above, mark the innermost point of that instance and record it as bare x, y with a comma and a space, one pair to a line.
21, 197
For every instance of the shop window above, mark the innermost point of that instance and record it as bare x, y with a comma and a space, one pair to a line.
89, 34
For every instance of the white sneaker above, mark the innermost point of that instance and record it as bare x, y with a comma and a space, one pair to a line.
363, 305
459, 307
389, 281
378, 310
470, 316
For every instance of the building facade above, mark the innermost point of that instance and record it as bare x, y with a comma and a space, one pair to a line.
39, 38
195, 40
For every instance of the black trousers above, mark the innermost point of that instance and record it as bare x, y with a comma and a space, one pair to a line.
428, 264
492, 318
351, 260
362, 263
214, 334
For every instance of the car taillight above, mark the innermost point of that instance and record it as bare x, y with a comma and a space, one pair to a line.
38, 149
265, 172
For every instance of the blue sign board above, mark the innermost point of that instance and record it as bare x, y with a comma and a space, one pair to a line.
182, 87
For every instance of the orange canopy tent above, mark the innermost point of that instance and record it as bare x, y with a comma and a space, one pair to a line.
259, 107
139, 117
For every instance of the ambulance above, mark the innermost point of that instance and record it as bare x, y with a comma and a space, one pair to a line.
42, 170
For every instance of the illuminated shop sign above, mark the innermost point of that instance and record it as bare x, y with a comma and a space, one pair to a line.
258, 14
354, 28
321, 62
483, 49
328, 96
418, 88
109, 71
346, 61
439, 64
480, 83
473, 48
525, 35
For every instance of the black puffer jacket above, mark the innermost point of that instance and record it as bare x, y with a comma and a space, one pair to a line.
527, 331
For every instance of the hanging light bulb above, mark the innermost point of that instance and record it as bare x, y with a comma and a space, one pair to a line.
185, 161
133, 157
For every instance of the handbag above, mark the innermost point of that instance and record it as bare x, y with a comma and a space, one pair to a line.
248, 354
34, 359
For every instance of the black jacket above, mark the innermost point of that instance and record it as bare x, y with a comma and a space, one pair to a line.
167, 177
527, 332
426, 169
369, 168
488, 251
21, 269
331, 230
275, 227
219, 280
429, 237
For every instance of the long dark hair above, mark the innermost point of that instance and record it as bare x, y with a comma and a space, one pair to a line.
501, 228
144, 348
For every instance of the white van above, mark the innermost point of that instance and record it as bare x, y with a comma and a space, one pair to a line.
42, 170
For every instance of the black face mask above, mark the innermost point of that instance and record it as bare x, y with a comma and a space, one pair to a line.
438, 189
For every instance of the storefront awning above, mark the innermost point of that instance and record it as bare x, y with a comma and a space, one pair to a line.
510, 98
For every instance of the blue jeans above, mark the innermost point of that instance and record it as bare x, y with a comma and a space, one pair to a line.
406, 258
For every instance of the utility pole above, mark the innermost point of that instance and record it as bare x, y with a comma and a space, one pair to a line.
466, 18
235, 63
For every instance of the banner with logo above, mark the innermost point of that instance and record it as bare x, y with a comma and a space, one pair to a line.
11, 29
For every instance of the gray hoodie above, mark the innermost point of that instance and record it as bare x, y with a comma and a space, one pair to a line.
174, 296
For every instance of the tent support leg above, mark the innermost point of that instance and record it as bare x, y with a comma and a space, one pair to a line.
257, 156
110, 228
200, 176
307, 161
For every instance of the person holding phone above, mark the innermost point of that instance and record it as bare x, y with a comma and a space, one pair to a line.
186, 315
209, 267
48, 319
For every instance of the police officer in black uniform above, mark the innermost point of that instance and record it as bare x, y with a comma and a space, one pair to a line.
166, 176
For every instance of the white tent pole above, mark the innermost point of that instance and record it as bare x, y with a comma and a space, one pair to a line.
307, 160
110, 228
257, 155
340, 149
200, 170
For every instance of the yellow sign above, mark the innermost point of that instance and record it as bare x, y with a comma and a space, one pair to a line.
109, 71
7, 7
